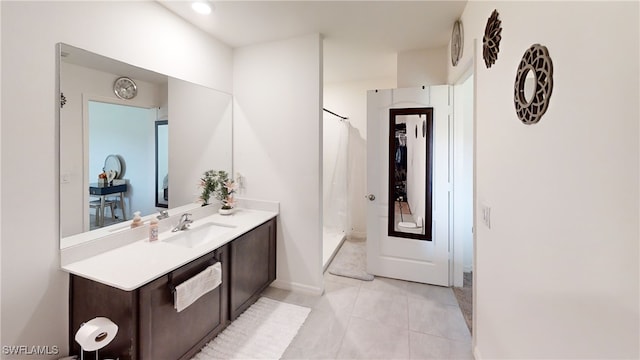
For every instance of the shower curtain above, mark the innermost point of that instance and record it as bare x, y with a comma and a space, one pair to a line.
335, 156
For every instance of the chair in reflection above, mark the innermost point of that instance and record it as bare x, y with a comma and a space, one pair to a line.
95, 204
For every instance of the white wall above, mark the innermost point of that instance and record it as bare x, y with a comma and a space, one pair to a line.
422, 67
350, 99
34, 290
200, 132
0, 177
278, 147
557, 273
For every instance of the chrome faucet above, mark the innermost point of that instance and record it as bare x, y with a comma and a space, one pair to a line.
163, 214
184, 223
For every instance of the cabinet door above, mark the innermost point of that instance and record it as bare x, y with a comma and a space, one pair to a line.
168, 334
89, 299
253, 266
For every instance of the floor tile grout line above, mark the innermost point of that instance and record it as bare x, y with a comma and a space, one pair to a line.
344, 334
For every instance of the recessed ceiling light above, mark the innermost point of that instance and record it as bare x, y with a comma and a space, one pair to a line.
201, 7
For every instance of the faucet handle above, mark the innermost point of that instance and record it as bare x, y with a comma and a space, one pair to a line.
163, 214
186, 216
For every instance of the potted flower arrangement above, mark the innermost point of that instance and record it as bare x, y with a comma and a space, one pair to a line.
217, 184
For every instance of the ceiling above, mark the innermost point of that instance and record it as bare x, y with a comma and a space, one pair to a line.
361, 38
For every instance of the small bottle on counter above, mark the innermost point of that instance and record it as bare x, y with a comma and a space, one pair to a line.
153, 230
137, 220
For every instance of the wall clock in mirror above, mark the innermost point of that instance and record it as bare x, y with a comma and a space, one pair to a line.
457, 41
125, 88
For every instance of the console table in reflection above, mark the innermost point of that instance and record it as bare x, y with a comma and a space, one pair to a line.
102, 191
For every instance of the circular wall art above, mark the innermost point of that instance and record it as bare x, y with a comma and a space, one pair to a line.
491, 39
533, 85
457, 41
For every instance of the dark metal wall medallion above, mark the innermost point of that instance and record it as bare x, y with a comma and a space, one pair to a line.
457, 42
491, 40
533, 85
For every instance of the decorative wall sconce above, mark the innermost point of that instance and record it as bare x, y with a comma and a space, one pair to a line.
457, 42
491, 40
533, 85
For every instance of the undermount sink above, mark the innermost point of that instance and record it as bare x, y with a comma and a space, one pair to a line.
199, 235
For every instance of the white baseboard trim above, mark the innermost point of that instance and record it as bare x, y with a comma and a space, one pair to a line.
476, 353
306, 289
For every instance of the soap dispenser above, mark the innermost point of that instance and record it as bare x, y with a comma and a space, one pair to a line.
153, 230
137, 220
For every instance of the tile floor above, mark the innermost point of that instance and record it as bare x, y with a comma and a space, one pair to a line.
379, 319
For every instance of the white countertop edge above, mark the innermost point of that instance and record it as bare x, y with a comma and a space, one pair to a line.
92, 243
153, 260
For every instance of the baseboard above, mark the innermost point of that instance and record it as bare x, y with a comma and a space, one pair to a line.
291, 286
476, 353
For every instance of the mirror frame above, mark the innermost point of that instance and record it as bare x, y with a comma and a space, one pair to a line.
428, 112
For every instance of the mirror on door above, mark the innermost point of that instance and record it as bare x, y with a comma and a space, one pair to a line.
162, 163
410, 172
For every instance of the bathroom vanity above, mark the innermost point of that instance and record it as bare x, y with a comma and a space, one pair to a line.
133, 285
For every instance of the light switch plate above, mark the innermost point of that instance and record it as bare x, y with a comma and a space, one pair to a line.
486, 215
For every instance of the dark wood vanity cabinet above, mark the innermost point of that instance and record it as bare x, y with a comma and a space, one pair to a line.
252, 266
149, 327
165, 333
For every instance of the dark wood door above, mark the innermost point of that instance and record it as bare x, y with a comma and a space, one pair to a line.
168, 334
253, 266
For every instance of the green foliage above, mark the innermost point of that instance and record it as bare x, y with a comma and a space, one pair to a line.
217, 184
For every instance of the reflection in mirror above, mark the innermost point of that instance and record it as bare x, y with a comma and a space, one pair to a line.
410, 173
162, 163
95, 123
530, 83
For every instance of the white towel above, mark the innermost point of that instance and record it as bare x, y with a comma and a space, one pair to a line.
191, 290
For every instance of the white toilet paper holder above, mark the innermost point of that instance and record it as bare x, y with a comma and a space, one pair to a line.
99, 333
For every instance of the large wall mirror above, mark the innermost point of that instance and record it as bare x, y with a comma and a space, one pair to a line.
162, 164
117, 155
410, 173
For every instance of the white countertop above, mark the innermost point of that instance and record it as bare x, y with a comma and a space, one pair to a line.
130, 266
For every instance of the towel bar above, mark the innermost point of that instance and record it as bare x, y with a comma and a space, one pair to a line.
172, 286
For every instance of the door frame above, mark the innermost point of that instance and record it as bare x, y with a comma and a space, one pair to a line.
457, 257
